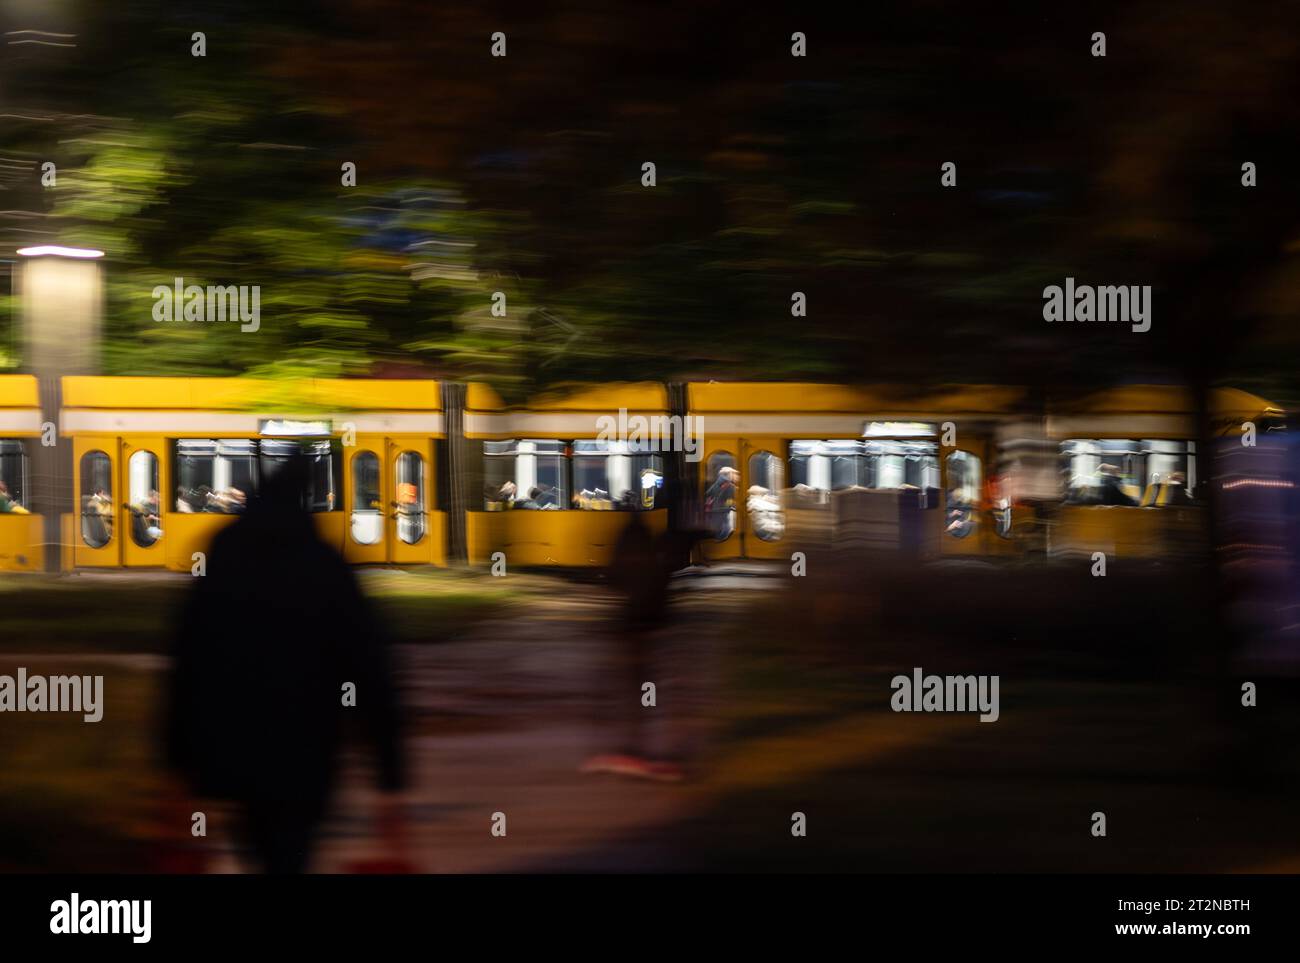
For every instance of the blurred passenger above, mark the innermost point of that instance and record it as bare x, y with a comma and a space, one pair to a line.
201, 499
1176, 491
1112, 489
183, 504
269, 645
101, 507
145, 522
410, 513
152, 518
720, 502
592, 500
765, 514
228, 501
9, 504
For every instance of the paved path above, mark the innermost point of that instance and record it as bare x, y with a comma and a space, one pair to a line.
502, 720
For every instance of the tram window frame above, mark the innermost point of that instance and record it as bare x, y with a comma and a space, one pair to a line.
182, 470
13, 452
1139, 451
89, 488
554, 452
313, 448
961, 500
248, 455
412, 524
143, 533
372, 515
643, 464
863, 457
766, 523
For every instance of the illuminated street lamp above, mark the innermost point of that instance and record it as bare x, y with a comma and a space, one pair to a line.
61, 293
59, 251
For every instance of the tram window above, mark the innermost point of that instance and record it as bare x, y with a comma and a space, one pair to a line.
320, 460
1171, 465
410, 497
1109, 471
962, 499
720, 480
215, 475
96, 499
367, 510
498, 474
525, 474
849, 470
763, 497
142, 498
819, 467
13, 476
616, 475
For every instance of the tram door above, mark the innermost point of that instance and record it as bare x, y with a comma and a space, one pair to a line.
119, 486
389, 493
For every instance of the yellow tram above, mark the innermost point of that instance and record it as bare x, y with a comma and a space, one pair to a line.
161, 464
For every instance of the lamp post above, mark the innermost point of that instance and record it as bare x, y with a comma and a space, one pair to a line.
61, 293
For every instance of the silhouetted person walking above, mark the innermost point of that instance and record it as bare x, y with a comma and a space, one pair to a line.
267, 644
639, 572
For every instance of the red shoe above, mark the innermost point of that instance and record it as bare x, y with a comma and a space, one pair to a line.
635, 767
607, 763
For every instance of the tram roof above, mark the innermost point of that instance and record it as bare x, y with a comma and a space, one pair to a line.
645, 396
1168, 399
19, 391
745, 396
241, 394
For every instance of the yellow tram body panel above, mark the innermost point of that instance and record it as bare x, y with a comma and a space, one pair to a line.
384, 430
570, 530
21, 531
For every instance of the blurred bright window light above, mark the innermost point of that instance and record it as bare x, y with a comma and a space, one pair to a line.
59, 250
898, 429
290, 427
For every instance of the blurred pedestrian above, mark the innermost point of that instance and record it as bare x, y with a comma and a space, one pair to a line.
639, 573
275, 651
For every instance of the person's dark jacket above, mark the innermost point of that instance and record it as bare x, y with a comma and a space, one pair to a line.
265, 645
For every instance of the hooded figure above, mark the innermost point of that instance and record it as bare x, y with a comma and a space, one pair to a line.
268, 645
